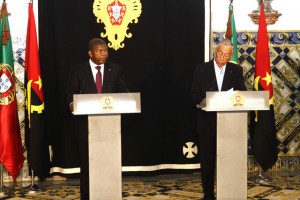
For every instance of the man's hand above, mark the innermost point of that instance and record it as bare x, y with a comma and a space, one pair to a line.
71, 107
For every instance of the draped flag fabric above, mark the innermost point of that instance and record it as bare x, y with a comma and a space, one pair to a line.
36, 142
231, 34
262, 127
11, 153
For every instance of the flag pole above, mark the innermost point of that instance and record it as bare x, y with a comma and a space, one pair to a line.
257, 127
4, 191
32, 188
33, 119
261, 178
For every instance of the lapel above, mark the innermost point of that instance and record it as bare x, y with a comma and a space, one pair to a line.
211, 75
226, 85
88, 74
107, 77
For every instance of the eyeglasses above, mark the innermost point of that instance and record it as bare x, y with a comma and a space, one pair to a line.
226, 55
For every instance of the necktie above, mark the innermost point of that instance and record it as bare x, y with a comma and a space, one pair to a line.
221, 71
99, 79
220, 78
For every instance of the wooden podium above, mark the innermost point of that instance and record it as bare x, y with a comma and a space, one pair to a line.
232, 135
105, 159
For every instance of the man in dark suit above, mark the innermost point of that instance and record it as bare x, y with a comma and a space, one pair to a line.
215, 75
94, 76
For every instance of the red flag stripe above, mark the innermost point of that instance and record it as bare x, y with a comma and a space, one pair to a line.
262, 63
32, 60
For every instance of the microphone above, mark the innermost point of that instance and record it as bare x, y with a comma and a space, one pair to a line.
81, 88
123, 84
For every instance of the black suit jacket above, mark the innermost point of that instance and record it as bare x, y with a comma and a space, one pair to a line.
81, 81
205, 80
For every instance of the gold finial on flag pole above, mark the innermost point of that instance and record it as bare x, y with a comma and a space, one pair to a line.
5, 30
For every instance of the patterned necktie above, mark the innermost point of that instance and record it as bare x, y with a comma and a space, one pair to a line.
99, 79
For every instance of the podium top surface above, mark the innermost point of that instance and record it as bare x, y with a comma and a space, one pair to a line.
237, 101
109, 103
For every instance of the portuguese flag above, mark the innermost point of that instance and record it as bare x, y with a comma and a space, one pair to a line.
11, 154
231, 34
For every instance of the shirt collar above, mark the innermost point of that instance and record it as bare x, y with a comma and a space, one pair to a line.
93, 65
217, 68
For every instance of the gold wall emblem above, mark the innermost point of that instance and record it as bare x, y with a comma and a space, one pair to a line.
116, 15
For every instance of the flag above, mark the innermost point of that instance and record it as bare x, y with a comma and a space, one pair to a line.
11, 153
231, 34
262, 123
36, 142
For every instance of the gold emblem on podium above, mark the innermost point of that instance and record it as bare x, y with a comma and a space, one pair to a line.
116, 16
107, 102
238, 100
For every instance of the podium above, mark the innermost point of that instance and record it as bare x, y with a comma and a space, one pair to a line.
232, 135
104, 122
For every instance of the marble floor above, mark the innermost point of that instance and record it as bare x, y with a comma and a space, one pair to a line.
283, 185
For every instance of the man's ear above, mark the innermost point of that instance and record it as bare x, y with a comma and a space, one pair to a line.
90, 53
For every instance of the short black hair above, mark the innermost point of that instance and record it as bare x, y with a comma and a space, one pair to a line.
95, 41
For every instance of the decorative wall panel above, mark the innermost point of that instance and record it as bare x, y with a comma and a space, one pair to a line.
284, 52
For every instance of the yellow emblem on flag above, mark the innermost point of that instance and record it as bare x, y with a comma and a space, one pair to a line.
116, 16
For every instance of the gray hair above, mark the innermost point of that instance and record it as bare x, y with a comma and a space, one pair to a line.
226, 43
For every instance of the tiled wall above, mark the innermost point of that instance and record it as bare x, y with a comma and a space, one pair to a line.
285, 65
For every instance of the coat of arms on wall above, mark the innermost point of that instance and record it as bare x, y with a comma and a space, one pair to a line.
116, 16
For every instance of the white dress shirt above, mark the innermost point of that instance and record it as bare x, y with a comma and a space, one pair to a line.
94, 70
219, 71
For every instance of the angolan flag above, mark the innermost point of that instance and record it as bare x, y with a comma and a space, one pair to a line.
262, 127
